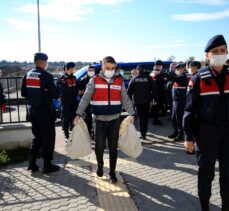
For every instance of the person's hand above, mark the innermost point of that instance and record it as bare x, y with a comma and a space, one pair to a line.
189, 146
77, 119
154, 103
132, 119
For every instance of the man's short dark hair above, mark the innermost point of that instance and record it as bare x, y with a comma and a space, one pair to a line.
109, 59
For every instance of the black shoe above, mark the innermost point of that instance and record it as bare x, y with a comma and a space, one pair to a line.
173, 135
100, 170
113, 177
33, 167
157, 122
143, 137
180, 137
50, 168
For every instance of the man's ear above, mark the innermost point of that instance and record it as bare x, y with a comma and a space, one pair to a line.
207, 55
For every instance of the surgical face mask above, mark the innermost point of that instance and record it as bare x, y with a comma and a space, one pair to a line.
109, 73
91, 73
189, 70
218, 60
46, 66
177, 72
156, 72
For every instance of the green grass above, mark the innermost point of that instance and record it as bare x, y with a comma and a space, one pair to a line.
13, 156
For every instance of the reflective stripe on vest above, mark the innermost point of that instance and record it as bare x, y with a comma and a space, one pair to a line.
33, 80
212, 89
178, 86
107, 97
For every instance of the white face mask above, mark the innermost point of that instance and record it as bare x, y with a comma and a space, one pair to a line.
156, 72
109, 73
218, 60
189, 70
46, 66
91, 74
177, 72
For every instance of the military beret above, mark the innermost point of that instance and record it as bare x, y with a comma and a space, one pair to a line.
41, 56
70, 65
214, 42
180, 65
158, 62
195, 64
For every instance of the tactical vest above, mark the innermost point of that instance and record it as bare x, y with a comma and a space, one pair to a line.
210, 98
106, 99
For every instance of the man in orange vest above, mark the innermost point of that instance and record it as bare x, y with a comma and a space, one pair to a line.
107, 95
207, 104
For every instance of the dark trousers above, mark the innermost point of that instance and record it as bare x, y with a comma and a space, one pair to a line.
177, 114
68, 113
212, 143
143, 115
88, 119
44, 137
107, 130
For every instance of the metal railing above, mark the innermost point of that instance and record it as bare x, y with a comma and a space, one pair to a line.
15, 107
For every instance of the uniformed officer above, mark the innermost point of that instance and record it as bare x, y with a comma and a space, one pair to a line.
208, 104
161, 101
142, 90
82, 87
169, 86
1, 98
179, 90
39, 90
107, 95
193, 68
68, 86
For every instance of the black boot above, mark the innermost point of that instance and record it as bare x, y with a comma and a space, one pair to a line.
100, 170
32, 164
113, 177
173, 135
180, 137
49, 168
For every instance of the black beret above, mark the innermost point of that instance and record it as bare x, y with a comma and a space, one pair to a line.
70, 65
180, 65
158, 62
214, 42
195, 64
41, 56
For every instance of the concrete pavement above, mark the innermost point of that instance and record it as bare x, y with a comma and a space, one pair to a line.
163, 178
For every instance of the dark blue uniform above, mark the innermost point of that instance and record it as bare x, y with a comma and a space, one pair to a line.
39, 90
206, 120
179, 90
68, 95
142, 90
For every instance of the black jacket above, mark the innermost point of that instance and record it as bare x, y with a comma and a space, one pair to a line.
142, 89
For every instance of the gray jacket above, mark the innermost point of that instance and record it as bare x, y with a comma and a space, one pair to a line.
125, 100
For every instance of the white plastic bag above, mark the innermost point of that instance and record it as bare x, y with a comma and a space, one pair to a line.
128, 142
79, 145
